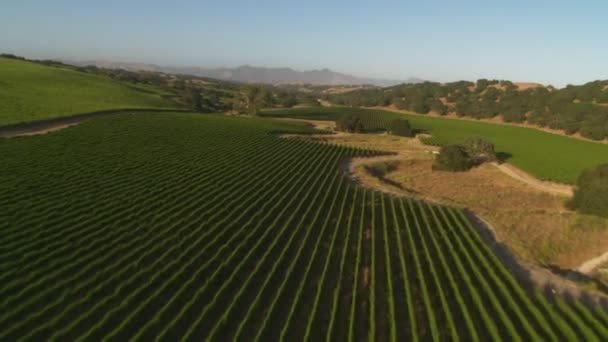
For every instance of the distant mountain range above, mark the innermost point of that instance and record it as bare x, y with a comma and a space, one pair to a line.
250, 74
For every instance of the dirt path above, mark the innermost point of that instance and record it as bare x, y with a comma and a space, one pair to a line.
51, 125
550, 187
510, 170
45, 130
317, 124
590, 265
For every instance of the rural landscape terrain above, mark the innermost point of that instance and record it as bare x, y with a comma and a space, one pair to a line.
303, 171
130, 214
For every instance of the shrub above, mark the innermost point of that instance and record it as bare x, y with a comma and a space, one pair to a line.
479, 149
350, 123
452, 158
591, 194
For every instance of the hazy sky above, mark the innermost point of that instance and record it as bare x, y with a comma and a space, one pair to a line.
555, 42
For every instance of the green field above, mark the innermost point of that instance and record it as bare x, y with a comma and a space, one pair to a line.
209, 228
544, 155
31, 92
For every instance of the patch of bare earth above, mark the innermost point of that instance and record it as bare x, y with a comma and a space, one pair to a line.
521, 86
47, 130
318, 124
531, 220
342, 89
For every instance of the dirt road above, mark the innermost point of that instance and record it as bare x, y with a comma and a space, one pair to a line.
46, 126
590, 265
550, 187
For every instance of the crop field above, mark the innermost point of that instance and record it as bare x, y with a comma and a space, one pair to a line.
32, 92
210, 228
544, 155
431, 141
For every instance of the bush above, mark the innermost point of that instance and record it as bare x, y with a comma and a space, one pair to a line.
401, 128
452, 158
350, 123
479, 149
591, 194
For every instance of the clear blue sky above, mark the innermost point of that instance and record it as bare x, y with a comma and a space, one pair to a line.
557, 42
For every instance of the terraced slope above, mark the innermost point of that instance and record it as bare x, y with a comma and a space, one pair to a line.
190, 227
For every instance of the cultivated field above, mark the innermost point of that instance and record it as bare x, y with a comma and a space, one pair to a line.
544, 155
201, 227
32, 92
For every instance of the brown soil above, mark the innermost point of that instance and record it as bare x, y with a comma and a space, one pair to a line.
325, 103
521, 86
318, 124
342, 89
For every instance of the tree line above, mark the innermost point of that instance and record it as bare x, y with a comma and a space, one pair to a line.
574, 109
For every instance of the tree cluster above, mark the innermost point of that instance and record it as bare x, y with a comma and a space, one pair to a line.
591, 194
452, 158
479, 150
474, 151
251, 98
573, 109
350, 123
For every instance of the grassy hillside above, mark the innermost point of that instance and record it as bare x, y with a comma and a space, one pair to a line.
547, 156
211, 228
31, 92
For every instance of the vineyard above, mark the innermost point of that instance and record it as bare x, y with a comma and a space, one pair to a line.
431, 141
208, 228
527, 148
33, 92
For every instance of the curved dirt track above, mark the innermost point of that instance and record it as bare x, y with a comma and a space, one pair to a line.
590, 265
50, 125
550, 187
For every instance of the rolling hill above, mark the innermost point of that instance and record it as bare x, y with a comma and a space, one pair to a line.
33, 92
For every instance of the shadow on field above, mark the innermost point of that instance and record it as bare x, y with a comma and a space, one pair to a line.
577, 277
551, 280
375, 130
503, 156
417, 131
502, 251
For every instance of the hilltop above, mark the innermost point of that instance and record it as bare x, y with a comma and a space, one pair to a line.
32, 91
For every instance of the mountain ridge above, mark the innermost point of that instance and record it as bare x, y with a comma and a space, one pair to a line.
253, 74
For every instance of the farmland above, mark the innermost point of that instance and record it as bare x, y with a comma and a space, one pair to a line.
32, 92
544, 155
200, 227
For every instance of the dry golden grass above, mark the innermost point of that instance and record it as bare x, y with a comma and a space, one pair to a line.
534, 224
